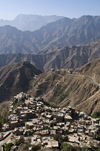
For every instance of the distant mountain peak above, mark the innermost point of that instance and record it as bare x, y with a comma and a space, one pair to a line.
30, 22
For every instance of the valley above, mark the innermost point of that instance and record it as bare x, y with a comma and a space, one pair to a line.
63, 87
50, 83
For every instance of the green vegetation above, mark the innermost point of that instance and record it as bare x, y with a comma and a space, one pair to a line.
35, 96
0, 123
66, 132
29, 140
82, 122
19, 64
26, 147
85, 148
36, 147
67, 147
58, 138
65, 139
62, 97
96, 115
3, 118
8, 146
16, 103
50, 105
21, 140
46, 128
27, 127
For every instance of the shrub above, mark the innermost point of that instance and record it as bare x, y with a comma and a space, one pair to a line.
58, 138
62, 97
26, 147
21, 140
8, 146
3, 118
35, 96
65, 139
36, 147
46, 128
0, 124
67, 147
96, 115
27, 127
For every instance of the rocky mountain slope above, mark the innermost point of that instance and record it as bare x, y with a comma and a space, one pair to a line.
67, 57
15, 78
64, 32
58, 87
30, 22
63, 89
92, 69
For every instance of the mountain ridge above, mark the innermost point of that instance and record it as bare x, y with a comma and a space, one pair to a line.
61, 87
67, 57
62, 33
29, 22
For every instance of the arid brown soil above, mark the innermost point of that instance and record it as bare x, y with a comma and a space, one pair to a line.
64, 89
15, 78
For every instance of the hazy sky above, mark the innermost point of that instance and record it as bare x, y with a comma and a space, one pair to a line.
9, 9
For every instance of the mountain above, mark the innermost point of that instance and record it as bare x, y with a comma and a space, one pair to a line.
92, 69
15, 78
67, 32
13, 40
63, 89
67, 57
62, 33
30, 22
57, 87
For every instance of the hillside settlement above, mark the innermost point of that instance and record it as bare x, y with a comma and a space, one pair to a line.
32, 118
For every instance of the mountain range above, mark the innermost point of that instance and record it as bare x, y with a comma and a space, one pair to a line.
64, 32
59, 87
63, 43
29, 22
66, 57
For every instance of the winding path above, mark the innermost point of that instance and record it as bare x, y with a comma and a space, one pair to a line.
92, 80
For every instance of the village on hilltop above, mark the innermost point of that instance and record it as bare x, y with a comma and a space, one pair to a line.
40, 124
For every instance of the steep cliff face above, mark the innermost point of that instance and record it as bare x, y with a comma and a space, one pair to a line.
15, 78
